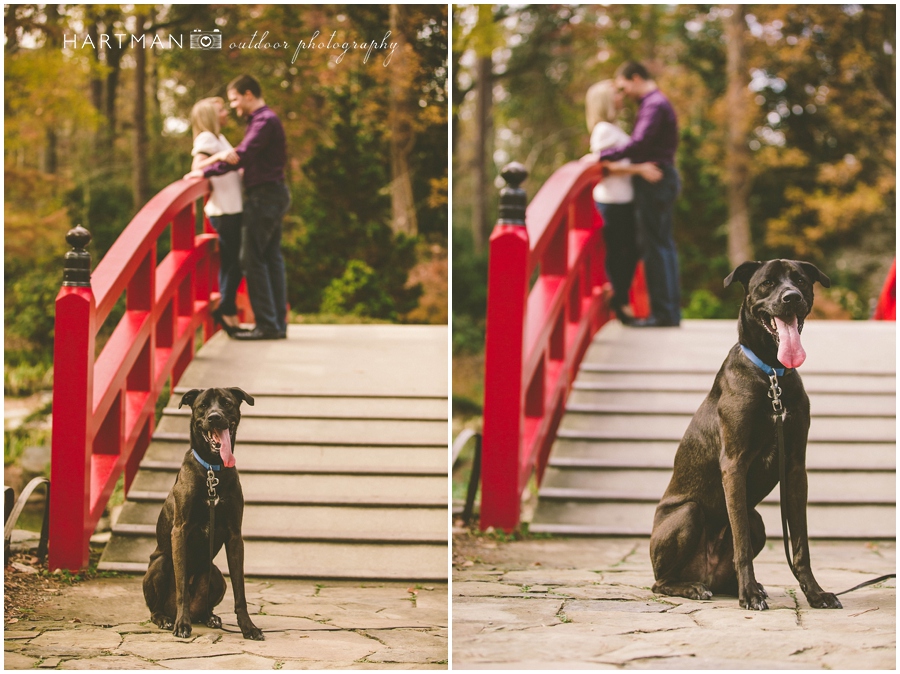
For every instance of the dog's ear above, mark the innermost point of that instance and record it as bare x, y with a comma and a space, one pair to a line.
743, 273
814, 274
189, 397
241, 395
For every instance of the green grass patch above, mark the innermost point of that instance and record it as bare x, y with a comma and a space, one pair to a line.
17, 440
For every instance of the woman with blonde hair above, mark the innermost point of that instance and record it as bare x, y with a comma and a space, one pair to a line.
614, 195
225, 205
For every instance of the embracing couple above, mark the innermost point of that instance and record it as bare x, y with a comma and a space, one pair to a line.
248, 221
637, 194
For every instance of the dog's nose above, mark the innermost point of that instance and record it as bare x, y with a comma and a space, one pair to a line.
791, 297
214, 416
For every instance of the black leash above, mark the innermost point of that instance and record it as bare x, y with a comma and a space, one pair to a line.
775, 395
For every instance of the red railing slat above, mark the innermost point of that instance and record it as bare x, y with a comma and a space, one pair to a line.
108, 280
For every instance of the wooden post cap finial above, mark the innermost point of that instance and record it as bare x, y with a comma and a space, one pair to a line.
513, 200
77, 266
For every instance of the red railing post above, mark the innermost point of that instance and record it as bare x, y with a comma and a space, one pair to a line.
103, 404
503, 399
73, 394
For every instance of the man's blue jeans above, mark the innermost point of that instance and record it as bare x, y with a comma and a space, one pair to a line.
264, 208
655, 203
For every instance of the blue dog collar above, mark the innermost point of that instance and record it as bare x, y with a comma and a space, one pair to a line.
203, 463
768, 369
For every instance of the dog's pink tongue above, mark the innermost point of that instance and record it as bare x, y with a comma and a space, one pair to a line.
790, 351
224, 437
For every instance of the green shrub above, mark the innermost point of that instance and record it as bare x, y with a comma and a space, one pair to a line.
342, 215
359, 292
703, 304
469, 276
29, 307
468, 335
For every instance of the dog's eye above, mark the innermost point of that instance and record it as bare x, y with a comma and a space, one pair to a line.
768, 283
226, 402
801, 281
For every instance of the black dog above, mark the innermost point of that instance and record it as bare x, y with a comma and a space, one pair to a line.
706, 530
182, 584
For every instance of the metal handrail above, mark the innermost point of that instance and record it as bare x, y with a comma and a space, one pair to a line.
13, 516
475, 476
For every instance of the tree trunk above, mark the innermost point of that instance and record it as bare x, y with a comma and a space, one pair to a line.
481, 223
403, 207
53, 32
156, 116
737, 161
96, 80
113, 62
140, 181
50, 163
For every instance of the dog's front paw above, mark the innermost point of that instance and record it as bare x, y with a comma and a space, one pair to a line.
754, 600
823, 600
214, 621
251, 631
182, 629
687, 590
163, 622
762, 591
697, 591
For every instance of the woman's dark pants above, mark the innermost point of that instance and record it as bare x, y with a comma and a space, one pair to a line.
229, 229
622, 251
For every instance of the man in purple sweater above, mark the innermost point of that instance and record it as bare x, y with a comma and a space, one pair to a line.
654, 139
262, 154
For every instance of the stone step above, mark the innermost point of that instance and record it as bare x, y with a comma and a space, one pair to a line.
825, 487
672, 427
308, 489
335, 407
322, 523
368, 432
844, 456
304, 559
263, 457
590, 379
575, 518
687, 402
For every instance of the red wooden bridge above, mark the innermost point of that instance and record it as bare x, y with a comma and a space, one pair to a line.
595, 413
344, 454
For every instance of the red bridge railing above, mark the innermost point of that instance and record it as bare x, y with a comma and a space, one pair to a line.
537, 335
104, 406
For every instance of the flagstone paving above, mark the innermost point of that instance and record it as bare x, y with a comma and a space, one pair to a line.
586, 603
104, 624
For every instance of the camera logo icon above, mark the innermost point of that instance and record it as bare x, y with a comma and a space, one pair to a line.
206, 39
